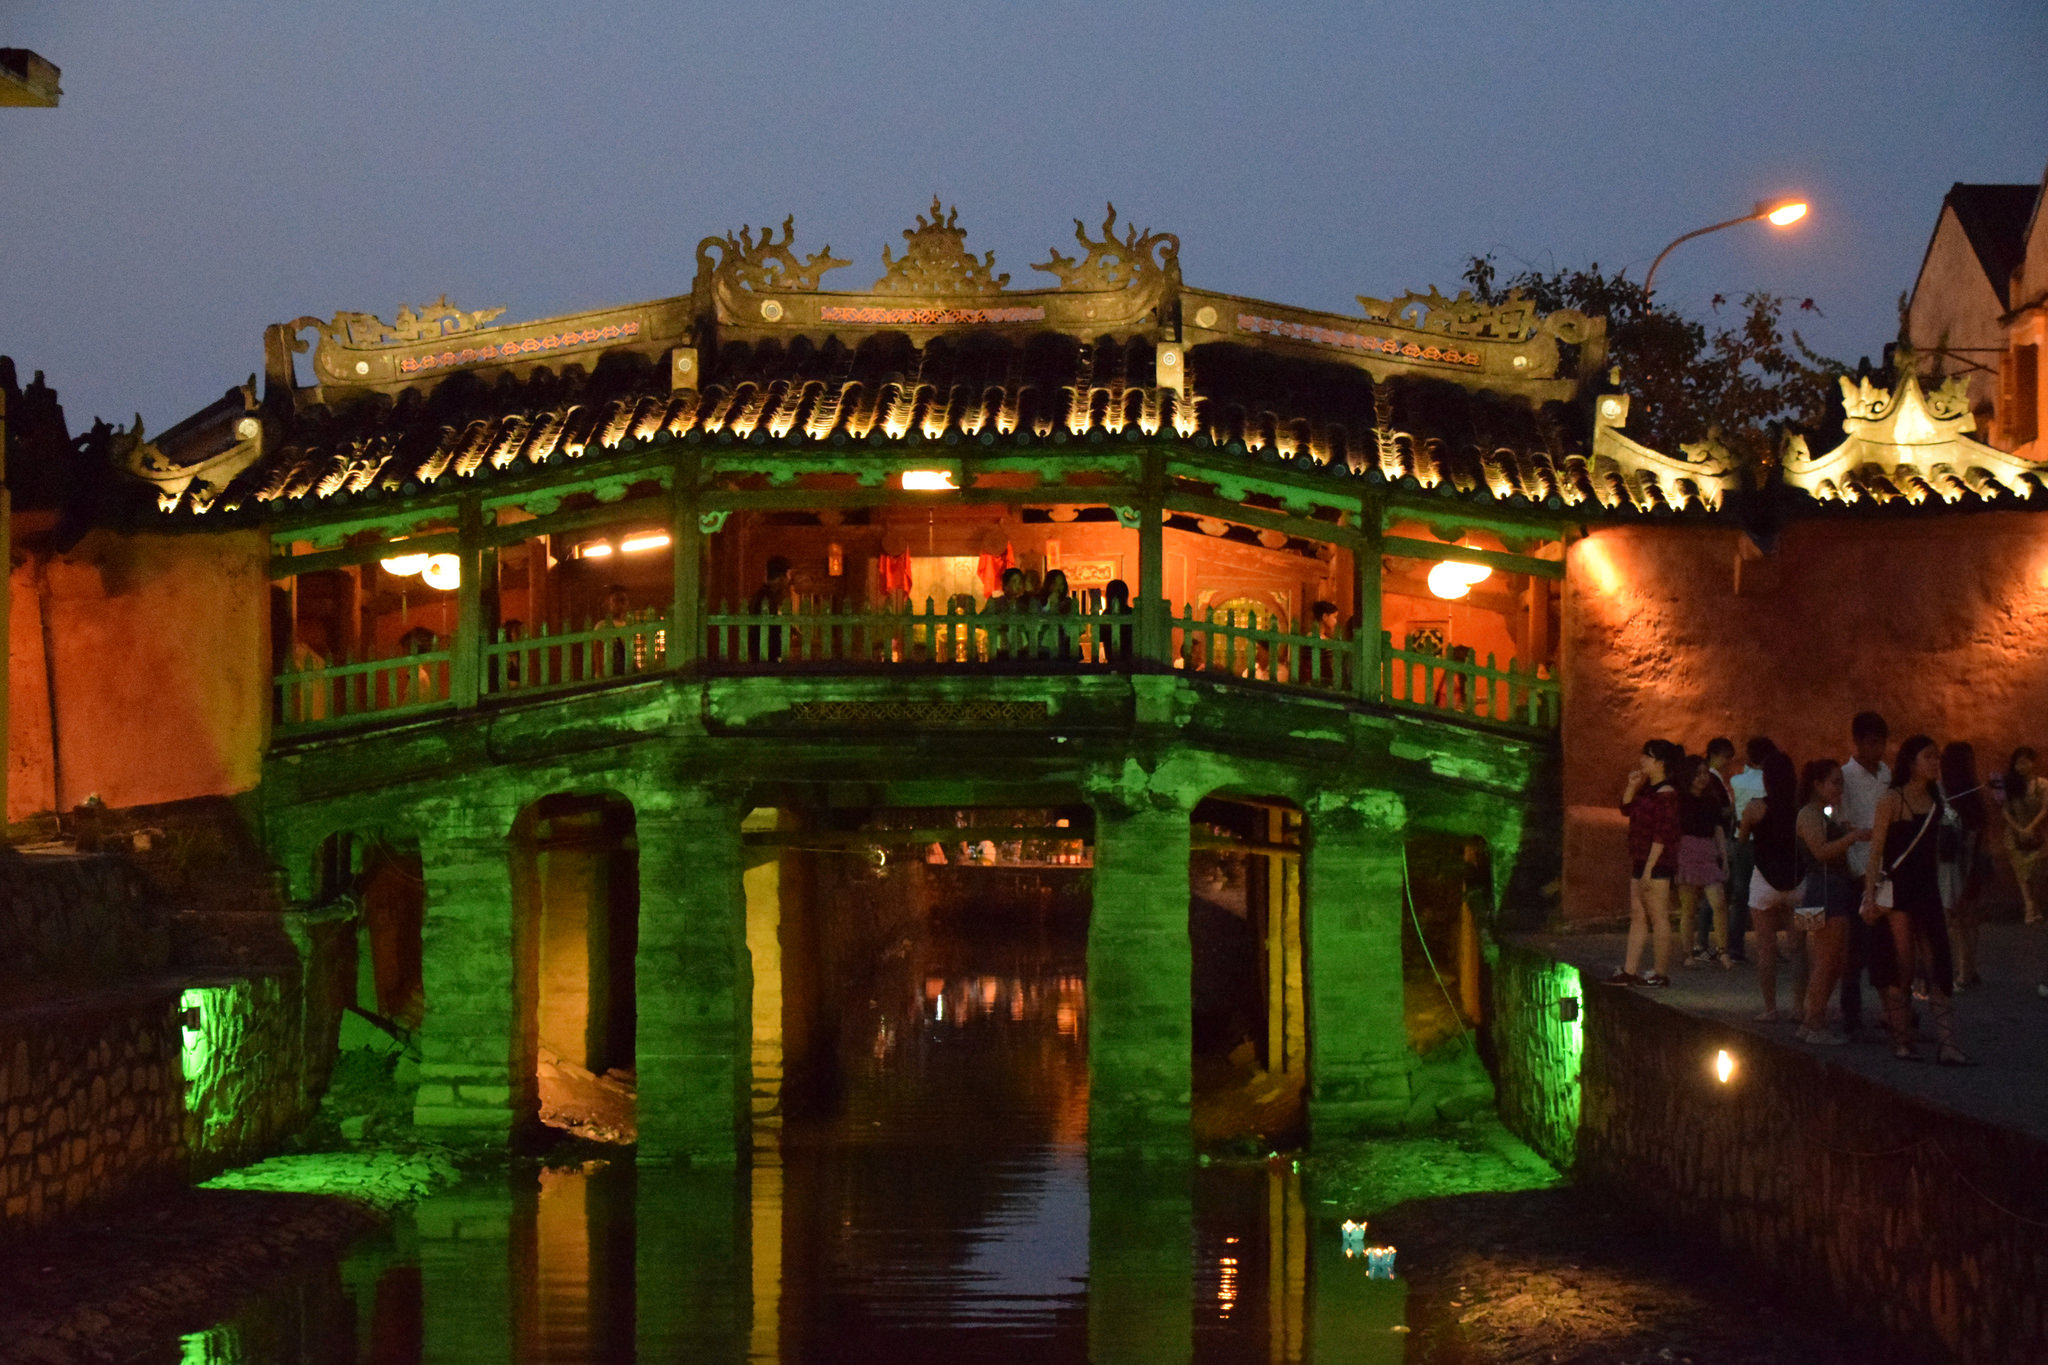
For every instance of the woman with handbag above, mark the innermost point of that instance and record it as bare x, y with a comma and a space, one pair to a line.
1831, 893
2026, 805
1902, 890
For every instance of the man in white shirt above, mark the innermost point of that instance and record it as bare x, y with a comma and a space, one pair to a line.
1865, 776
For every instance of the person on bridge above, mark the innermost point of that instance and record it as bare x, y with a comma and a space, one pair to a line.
772, 598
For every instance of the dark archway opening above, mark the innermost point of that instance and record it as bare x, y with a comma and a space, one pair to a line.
576, 883
1250, 1064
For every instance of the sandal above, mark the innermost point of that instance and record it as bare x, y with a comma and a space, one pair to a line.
1623, 979
1951, 1055
1907, 1054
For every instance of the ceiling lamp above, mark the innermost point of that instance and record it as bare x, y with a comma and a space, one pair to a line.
653, 540
928, 481
443, 572
405, 566
1453, 579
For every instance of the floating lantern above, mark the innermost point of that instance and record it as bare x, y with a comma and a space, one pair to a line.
1354, 1239
1379, 1263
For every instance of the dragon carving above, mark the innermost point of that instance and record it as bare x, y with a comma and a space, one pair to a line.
766, 266
1112, 264
935, 260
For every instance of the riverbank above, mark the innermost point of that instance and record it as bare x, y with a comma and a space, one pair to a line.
116, 1286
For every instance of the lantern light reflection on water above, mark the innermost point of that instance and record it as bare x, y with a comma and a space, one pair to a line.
1379, 1263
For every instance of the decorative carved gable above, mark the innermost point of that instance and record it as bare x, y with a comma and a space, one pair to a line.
1112, 264
935, 260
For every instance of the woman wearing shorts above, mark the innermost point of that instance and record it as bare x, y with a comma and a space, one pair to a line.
1824, 845
1702, 858
1770, 823
1650, 802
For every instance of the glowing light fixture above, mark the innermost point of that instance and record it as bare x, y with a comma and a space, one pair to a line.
653, 540
1724, 1066
1776, 212
443, 572
405, 566
928, 481
1454, 578
597, 549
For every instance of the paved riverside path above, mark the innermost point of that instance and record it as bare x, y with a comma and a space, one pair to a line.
2003, 1023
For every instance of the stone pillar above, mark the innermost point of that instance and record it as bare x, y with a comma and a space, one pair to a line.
694, 984
1140, 1014
476, 1051
1358, 1046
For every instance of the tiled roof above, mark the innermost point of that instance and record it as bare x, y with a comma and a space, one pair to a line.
1994, 219
1039, 390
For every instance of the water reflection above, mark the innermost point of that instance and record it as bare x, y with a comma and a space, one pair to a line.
940, 1207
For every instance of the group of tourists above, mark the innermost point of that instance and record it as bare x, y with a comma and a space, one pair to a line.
1869, 868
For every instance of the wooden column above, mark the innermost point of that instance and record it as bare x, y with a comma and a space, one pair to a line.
465, 659
1366, 589
686, 545
1155, 622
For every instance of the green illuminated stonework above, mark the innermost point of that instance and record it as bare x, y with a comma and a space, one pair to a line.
1539, 1042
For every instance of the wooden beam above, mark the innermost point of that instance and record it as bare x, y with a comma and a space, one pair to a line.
1407, 547
808, 499
1328, 532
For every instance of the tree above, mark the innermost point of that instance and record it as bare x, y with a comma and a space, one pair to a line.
1687, 381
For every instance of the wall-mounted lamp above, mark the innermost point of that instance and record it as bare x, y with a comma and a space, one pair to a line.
929, 481
1724, 1066
1453, 579
405, 566
1568, 1009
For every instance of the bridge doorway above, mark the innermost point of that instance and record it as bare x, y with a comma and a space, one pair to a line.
890, 944
1250, 1024
576, 879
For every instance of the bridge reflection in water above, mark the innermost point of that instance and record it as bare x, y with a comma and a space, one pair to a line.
942, 1208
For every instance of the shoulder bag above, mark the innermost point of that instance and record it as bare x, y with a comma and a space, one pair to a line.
1884, 881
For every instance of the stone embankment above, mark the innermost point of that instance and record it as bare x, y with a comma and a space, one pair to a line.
1907, 1219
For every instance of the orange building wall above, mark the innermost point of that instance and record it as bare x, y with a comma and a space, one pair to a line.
1939, 623
158, 652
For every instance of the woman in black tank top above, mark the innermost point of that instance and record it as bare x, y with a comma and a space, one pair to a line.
1902, 848
1769, 824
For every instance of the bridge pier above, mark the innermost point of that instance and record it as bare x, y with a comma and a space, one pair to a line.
1139, 978
694, 985
476, 1060
1359, 1061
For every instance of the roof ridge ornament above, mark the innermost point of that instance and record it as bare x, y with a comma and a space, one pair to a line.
935, 260
1514, 318
1112, 264
766, 266
428, 322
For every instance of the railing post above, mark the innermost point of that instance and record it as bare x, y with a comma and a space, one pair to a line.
1155, 628
1365, 590
466, 653
686, 547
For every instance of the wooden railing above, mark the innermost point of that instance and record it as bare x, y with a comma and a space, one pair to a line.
598, 651
816, 636
1233, 644
810, 634
334, 694
1465, 688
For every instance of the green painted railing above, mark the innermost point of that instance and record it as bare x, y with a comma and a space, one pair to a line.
1232, 644
1467, 688
812, 634
323, 694
569, 656
1213, 643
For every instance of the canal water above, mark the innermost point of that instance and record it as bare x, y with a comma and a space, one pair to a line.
938, 1206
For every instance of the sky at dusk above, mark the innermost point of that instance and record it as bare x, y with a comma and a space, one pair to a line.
215, 168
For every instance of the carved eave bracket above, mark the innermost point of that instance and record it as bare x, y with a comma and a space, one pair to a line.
1645, 476
200, 456
1906, 442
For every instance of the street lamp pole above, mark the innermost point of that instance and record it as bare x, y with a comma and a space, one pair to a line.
1781, 214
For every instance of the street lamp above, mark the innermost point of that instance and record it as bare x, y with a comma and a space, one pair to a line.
1778, 213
